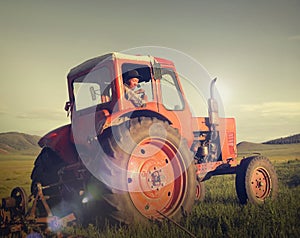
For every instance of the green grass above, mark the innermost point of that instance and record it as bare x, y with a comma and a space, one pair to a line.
219, 215
15, 171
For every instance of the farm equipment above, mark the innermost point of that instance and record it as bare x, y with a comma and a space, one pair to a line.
18, 220
133, 163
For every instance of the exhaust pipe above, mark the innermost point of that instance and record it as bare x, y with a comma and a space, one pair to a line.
213, 111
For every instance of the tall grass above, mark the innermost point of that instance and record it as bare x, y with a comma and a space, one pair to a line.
15, 171
221, 215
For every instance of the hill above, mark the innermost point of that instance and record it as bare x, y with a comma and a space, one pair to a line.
285, 140
273, 151
15, 142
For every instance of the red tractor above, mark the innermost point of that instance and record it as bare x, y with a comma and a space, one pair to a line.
134, 162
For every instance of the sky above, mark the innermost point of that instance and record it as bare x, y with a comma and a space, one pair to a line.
253, 47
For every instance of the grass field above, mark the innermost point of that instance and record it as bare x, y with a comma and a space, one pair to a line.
219, 215
15, 172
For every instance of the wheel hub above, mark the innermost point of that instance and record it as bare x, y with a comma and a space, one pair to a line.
156, 179
260, 183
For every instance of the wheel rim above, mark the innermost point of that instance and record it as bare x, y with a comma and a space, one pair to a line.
261, 183
20, 196
156, 178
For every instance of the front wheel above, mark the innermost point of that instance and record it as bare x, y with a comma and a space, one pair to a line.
256, 180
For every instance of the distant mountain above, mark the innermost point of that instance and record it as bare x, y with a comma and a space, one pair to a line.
15, 142
246, 147
285, 140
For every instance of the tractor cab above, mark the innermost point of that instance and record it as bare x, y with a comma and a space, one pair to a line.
97, 86
99, 82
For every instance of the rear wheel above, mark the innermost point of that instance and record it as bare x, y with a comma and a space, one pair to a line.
150, 171
45, 171
256, 180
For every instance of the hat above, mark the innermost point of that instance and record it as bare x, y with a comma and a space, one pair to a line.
132, 74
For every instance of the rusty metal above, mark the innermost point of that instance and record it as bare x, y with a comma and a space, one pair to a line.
17, 220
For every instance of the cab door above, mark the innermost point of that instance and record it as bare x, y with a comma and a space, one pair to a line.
93, 102
172, 102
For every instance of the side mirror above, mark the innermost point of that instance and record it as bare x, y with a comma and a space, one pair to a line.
67, 106
93, 93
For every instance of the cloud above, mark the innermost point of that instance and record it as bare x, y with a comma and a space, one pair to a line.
278, 109
4, 112
294, 38
42, 114
269, 120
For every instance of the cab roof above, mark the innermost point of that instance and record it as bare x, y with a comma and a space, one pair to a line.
91, 63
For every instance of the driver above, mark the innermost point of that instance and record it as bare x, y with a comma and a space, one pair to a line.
131, 82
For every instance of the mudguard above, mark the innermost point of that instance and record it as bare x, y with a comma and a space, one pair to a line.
59, 140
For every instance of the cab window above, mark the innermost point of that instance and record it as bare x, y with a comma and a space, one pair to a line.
92, 89
171, 95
